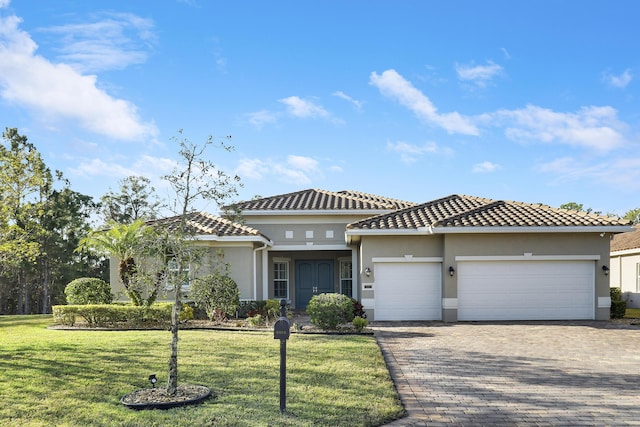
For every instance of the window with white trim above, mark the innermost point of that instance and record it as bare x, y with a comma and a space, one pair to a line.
346, 278
281, 279
638, 277
174, 274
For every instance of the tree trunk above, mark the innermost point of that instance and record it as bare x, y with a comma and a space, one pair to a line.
172, 383
45, 288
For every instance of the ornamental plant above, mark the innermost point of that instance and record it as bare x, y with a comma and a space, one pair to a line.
88, 290
327, 311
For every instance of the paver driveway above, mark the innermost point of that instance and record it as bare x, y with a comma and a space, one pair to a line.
532, 373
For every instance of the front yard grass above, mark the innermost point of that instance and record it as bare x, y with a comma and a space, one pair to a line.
632, 313
76, 378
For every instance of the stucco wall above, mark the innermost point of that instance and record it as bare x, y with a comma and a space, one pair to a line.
448, 246
623, 275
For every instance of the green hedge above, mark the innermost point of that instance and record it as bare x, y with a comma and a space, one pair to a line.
327, 311
108, 315
618, 305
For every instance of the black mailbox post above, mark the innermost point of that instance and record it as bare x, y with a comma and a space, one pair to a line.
281, 331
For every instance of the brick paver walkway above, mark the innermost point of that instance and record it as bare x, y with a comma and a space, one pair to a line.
536, 373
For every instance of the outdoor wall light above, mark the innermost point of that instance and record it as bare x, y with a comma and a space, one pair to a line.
367, 272
153, 380
451, 270
605, 270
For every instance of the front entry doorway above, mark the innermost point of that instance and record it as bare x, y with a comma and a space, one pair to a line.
312, 278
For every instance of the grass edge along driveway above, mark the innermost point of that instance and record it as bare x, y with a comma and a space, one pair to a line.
76, 378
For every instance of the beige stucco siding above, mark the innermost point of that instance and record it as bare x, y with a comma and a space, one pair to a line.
624, 271
450, 246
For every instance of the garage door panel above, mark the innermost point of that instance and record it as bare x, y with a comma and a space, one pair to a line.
525, 290
408, 291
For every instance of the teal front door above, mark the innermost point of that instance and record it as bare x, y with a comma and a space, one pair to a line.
312, 278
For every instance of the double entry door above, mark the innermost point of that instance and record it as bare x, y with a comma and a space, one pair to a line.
312, 278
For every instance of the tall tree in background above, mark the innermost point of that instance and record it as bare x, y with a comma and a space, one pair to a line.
39, 223
193, 179
633, 215
135, 200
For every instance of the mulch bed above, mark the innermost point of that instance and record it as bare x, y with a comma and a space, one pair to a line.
158, 398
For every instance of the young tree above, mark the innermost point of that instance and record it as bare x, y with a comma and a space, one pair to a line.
194, 179
136, 200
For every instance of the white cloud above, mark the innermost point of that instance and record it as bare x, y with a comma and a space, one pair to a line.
294, 169
57, 91
355, 102
302, 108
620, 81
262, 117
480, 75
505, 52
114, 42
608, 171
394, 86
4, 3
596, 128
485, 167
252, 169
410, 153
145, 165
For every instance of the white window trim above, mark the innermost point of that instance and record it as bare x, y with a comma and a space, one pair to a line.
352, 278
288, 279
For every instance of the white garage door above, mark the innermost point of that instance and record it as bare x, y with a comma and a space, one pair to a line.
408, 291
525, 290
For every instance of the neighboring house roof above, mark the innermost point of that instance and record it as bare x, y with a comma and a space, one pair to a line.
626, 241
211, 227
321, 200
459, 213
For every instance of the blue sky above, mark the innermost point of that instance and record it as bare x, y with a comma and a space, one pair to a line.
534, 101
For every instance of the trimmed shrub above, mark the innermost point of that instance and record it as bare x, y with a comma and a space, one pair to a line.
618, 305
327, 311
217, 294
109, 315
359, 323
269, 310
88, 290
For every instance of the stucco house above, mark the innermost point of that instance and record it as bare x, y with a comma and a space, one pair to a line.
454, 258
625, 265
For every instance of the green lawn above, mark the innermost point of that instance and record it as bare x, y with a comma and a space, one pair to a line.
632, 313
76, 378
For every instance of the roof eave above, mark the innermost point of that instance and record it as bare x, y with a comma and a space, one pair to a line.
215, 238
309, 212
477, 230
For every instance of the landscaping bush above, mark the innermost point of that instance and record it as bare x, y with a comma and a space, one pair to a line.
217, 294
618, 305
109, 315
358, 309
359, 323
88, 290
269, 310
327, 311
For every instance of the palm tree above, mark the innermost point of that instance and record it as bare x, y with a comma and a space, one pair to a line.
125, 242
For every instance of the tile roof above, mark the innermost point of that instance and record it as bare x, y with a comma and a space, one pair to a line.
205, 224
625, 241
467, 211
313, 199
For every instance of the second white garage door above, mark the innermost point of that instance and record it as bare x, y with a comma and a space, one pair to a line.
408, 291
525, 290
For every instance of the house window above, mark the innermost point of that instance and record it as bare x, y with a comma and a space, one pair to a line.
280, 279
346, 278
638, 277
174, 274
